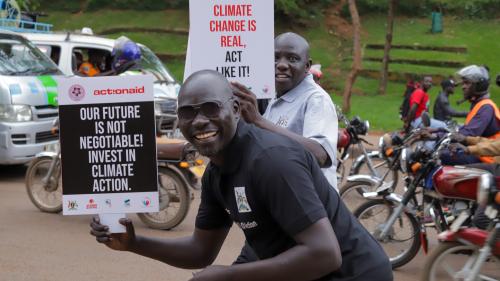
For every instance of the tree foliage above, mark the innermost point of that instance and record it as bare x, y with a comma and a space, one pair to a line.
298, 11
468, 8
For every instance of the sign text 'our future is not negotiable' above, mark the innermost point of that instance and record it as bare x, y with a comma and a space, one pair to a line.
230, 20
111, 149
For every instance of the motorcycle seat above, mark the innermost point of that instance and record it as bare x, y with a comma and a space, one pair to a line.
170, 149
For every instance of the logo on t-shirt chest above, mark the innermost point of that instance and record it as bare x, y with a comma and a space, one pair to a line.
282, 121
241, 200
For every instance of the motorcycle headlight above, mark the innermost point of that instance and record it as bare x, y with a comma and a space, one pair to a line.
15, 113
485, 186
367, 125
404, 159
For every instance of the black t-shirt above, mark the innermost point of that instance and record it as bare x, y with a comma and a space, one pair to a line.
273, 189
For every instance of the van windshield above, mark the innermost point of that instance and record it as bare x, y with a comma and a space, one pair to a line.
18, 57
151, 62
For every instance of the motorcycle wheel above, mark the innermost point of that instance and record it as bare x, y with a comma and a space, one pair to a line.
46, 197
452, 261
352, 193
381, 165
174, 201
402, 242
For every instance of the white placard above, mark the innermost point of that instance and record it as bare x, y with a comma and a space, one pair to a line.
236, 38
108, 145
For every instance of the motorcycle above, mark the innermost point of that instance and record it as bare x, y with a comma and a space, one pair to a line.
179, 170
399, 222
466, 253
390, 147
369, 162
179, 167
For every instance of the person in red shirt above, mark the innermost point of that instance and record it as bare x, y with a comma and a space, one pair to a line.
419, 102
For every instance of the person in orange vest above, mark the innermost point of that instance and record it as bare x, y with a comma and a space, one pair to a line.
89, 67
483, 120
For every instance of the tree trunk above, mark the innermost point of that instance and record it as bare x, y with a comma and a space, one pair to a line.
388, 41
356, 63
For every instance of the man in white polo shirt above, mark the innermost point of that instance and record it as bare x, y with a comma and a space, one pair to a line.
302, 110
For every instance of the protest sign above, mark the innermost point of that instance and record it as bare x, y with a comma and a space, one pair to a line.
108, 145
235, 38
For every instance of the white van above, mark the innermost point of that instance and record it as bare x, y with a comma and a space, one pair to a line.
70, 50
28, 99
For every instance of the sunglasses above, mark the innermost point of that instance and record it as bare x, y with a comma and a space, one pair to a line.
209, 109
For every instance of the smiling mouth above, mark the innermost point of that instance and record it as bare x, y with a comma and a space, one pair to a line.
281, 76
205, 136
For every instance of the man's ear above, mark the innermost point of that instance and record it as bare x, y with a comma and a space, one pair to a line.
308, 65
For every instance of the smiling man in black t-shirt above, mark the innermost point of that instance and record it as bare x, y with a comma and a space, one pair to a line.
268, 185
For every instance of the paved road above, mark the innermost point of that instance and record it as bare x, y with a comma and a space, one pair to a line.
38, 246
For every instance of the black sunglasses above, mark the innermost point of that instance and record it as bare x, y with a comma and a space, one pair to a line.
209, 109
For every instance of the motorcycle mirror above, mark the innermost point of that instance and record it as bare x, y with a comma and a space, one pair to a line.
426, 120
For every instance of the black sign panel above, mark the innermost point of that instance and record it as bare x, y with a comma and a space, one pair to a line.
108, 148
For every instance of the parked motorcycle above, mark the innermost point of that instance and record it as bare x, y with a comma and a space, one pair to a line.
466, 253
43, 177
390, 148
399, 222
179, 169
369, 162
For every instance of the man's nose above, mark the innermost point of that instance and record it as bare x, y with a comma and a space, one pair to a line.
200, 120
281, 64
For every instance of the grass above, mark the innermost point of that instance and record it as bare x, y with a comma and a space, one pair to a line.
104, 19
422, 55
410, 68
477, 36
480, 37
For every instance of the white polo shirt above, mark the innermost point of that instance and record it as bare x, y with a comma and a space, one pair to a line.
308, 110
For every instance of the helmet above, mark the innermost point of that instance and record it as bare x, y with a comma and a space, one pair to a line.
479, 77
124, 51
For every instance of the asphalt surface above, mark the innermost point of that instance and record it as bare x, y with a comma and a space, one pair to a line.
40, 246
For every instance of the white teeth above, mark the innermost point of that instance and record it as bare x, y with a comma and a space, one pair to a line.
281, 76
205, 135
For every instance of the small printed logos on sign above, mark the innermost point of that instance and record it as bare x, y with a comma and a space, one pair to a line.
72, 205
146, 202
126, 202
92, 204
76, 92
241, 200
108, 202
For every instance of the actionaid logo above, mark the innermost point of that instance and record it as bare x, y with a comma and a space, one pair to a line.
119, 91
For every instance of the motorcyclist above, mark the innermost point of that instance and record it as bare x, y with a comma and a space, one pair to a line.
479, 146
442, 109
483, 120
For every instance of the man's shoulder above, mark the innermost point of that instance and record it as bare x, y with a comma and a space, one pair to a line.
272, 144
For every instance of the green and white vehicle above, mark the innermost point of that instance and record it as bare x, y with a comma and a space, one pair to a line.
28, 99
68, 50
